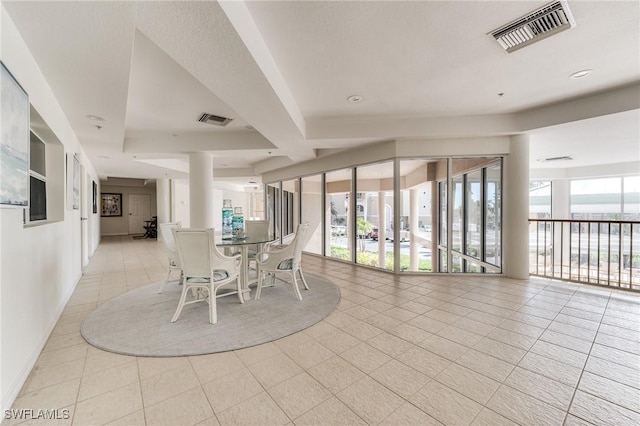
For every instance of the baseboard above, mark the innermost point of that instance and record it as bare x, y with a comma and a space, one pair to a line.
117, 234
10, 396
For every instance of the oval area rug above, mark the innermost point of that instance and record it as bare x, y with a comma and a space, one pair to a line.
137, 322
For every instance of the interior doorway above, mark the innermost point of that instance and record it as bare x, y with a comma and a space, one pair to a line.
139, 211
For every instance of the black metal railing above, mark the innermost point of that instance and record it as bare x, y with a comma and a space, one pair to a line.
587, 251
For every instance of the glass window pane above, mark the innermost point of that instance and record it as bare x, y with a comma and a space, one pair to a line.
374, 207
631, 198
457, 225
256, 204
418, 209
289, 206
493, 211
338, 233
273, 208
312, 212
474, 213
444, 229
476, 191
540, 199
596, 199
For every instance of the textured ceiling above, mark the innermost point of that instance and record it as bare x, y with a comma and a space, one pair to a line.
283, 71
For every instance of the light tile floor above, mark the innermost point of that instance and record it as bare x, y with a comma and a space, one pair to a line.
397, 351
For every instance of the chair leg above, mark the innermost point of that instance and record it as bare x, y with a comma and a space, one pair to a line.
295, 285
259, 288
239, 287
166, 280
306, 287
183, 297
213, 311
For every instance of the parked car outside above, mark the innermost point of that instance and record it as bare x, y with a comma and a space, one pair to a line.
374, 234
404, 235
338, 230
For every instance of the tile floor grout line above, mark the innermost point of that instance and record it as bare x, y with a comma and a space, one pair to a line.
575, 391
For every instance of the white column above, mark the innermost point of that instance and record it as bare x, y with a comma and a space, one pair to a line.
515, 229
163, 197
201, 212
382, 220
413, 229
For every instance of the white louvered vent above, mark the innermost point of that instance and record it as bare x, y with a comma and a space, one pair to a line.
535, 26
215, 120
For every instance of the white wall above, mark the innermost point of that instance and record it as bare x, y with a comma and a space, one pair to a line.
39, 265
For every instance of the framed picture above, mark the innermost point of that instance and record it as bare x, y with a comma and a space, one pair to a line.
111, 204
14, 141
95, 197
76, 183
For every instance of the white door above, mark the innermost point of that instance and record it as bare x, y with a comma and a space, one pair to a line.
139, 211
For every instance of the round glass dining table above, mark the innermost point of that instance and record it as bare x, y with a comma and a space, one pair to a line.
244, 244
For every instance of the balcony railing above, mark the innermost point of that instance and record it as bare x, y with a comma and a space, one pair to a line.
586, 251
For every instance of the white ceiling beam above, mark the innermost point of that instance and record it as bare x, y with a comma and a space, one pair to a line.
410, 127
152, 142
613, 101
244, 24
200, 37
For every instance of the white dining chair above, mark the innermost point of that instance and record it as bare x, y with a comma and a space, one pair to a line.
205, 270
166, 234
287, 259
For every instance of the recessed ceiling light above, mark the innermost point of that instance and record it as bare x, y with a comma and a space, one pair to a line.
354, 99
95, 117
581, 73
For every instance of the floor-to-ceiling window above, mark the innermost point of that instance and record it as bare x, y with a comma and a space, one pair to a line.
290, 194
338, 211
446, 217
493, 215
374, 207
474, 231
418, 214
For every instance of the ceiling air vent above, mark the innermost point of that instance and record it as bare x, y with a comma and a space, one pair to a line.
535, 26
215, 120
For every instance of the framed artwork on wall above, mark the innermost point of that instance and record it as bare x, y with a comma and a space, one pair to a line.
14, 142
111, 204
95, 197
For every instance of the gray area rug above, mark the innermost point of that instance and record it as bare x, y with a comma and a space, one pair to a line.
137, 322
